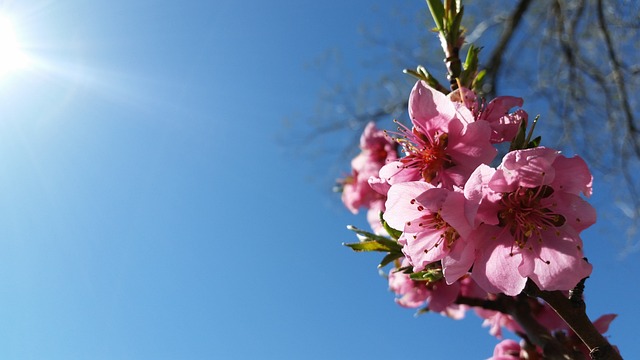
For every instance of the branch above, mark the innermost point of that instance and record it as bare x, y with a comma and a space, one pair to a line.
574, 314
617, 78
520, 310
493, 66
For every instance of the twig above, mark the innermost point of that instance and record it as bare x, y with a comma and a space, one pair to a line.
574, 314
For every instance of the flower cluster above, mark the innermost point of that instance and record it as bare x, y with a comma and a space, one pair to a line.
501, 226
465, 234
376, 150
465, 230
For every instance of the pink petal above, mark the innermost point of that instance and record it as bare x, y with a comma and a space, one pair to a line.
578, 213
458, 262
603, 322
528, 168
470, 146
399, 206
500, 106
395, 172
457, 213
575, 177
421, 249
559, 264
443, 295
477, 191
428, 108
496, 268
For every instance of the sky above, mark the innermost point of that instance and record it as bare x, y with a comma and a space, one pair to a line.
153, 207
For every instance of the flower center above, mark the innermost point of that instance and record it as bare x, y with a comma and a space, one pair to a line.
434, 157
524, 215
448, 235
424, 152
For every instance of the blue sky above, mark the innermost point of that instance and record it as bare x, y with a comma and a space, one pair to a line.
153, 208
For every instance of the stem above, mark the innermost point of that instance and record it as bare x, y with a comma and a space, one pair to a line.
574, 314
520, 310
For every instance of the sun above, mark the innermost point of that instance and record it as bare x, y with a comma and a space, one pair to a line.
12, 57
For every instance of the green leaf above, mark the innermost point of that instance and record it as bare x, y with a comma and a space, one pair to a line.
533, 127
369, 235
477, 82
470, 67
431, 80
368, 245
389, 258
471, 62
383, 243
437, 12
422, 311
430, 275
534, 143
414, 73
455, 25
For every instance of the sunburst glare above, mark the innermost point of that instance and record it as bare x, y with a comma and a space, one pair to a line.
12, 56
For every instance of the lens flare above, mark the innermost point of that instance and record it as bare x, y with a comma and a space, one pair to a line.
12, 57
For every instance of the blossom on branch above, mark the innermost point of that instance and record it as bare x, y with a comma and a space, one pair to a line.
438, 296
530, 214
433, 222
504, 125
444, 145
376, 150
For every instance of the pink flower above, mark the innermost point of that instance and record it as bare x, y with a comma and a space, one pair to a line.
445, 144
433, 221
411, 294
506, 350
377, 150
495, 321
438, 296
504, 125
530, 214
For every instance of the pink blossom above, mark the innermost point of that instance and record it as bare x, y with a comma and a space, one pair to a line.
376, 150
530, 214
506, 350
495, 321
434, 224
504, 125
411, 294
445, 144
438, 296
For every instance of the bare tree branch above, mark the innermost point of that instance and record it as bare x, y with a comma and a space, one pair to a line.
495, 59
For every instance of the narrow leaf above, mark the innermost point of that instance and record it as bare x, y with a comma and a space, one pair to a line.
366, 234
414, 73
384, 244
389, 258
535, 142
367, 245
477, 82
437, 12
422, 311
455, 25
